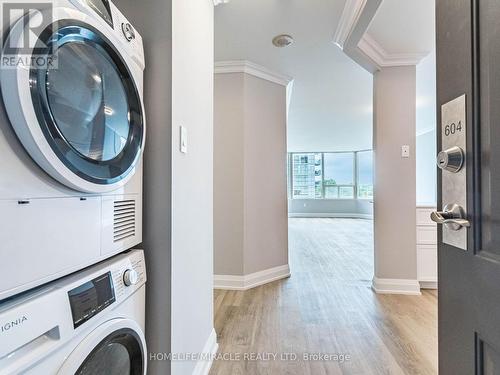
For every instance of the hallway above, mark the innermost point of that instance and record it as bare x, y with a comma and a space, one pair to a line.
327, 307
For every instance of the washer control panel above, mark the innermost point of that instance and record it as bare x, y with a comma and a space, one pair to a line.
130, 275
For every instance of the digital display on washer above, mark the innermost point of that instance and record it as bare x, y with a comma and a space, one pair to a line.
91, 298
102, 8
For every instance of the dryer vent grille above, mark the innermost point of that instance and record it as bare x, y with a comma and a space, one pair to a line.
124, 220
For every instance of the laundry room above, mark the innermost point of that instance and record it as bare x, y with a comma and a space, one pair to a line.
249, 187
106, 225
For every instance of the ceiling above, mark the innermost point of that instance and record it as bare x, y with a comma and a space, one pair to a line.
404, 26
330, 108
331, 103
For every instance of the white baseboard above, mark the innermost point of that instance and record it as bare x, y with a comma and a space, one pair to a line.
331, 215
231, 282
428, 284
203, 366
396, 286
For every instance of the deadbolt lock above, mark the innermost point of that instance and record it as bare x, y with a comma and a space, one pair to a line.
451, 160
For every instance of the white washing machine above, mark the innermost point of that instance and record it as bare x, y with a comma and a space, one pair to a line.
91, 323
72, 134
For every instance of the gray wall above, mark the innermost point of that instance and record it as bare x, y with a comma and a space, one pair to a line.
395, 181
228, 174
250, 215
266, 219
153, 19
177, 187
330, 207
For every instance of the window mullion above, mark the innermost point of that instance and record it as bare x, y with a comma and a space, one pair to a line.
356, 180
322, 175
290, 172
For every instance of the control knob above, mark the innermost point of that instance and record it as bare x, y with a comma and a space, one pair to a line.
130, 277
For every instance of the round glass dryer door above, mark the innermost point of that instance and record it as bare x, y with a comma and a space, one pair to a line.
87, 105
80, 115
88, 102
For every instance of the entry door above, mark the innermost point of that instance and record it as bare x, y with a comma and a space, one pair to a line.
468, 63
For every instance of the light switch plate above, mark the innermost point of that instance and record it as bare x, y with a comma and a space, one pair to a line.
405, 151
184, 140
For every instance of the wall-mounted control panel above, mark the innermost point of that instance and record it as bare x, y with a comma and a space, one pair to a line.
451, 160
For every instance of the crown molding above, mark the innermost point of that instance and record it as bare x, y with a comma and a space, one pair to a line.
243, 66
348, 20
373, 50
352, 37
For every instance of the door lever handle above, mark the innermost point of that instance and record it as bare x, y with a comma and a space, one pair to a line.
452, 216
441, 218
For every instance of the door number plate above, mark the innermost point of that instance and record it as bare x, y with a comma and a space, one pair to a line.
454, 183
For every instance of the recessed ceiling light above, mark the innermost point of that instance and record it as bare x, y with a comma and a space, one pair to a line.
282, 40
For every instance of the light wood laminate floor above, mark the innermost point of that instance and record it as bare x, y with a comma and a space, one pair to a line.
327, 306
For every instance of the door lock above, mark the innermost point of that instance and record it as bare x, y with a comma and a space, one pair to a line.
453, 217
451, 160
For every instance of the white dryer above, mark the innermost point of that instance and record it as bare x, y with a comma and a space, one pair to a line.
91, 323
72, 133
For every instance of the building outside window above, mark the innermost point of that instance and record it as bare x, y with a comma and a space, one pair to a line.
303, 171
331, 175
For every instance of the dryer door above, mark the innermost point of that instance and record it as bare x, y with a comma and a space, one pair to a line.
115, 348
76, 108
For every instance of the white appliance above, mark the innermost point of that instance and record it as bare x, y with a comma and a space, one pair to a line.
72, 134
91, 322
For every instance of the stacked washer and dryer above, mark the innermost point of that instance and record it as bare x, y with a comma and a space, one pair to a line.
72, 134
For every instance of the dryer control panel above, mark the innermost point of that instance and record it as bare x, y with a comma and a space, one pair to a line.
123, 28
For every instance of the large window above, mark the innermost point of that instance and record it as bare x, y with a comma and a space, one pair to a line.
331, 175
338, 178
